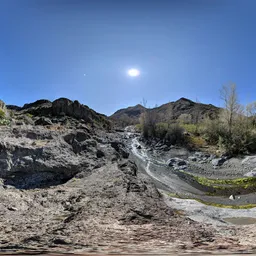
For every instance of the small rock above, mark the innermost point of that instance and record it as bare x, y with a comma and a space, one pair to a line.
19, 123
181, 163
11, 208
100, 153
202, 162
192, 158
138, 146
164, 148
60, 241
232, 197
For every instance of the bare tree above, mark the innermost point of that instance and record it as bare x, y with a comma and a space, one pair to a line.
231, 106
251, 113
197, 115
148, 121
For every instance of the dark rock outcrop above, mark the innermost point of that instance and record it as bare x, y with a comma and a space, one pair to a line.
60, 110
120, 148
43, 121
36, 104
13, 107
63, 106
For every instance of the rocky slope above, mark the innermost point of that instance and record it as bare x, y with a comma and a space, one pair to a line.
170, 111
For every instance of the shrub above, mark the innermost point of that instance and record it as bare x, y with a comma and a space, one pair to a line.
185, 118
11, 113
241, 140
191, 128
4, 121
174, 135
161, 130
211, 131
2, 114
29, 115
148, 124
196, 141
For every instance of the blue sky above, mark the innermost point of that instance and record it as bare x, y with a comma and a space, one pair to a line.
183, 48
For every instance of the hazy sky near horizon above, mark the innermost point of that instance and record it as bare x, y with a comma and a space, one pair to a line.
82, 49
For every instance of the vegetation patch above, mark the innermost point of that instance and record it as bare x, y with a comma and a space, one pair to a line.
29, 115
4, 122
245, 182
196, 141
218, 186
195, 129
245, 206
2, 114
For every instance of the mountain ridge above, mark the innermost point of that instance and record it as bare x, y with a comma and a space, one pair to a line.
169, 111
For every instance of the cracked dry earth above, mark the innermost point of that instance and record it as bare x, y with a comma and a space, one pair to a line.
75, 190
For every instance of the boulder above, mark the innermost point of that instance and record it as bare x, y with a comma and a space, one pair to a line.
120, 148
177, 163
249, 160
63, 106
250, 174
181, 163
138, 146
192, 158
218, 161
100, 153
43, 121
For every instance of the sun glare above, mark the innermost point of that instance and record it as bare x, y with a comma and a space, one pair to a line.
133, 72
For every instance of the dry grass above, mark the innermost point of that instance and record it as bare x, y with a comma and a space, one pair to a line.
197, 142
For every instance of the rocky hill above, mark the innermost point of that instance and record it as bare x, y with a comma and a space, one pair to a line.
182, 108
61, 110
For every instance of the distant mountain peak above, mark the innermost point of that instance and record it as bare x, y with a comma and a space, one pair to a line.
169, 111
185, 99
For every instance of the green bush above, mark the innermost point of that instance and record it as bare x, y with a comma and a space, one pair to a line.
161, 130
211, 131
4, 121
175, 135
170, 133
29, 115
2, 114
242, 138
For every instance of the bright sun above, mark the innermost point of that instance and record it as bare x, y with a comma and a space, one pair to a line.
133, 72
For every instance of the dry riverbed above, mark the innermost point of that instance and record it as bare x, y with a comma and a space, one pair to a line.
187, 197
